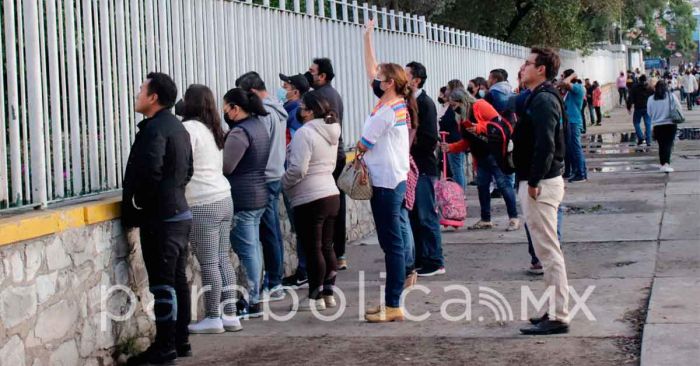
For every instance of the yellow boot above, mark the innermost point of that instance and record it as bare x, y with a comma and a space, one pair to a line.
385, 315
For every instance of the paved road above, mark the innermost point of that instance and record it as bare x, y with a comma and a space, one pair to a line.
630, 231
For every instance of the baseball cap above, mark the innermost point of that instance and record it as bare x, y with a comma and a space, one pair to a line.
298, 81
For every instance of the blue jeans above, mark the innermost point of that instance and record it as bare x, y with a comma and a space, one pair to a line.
486, 168
245, 240
591, 111
425, 223
531, 249
456, 162
271, 236
301, 257
637, 120
409, 243
386, 210
575, 161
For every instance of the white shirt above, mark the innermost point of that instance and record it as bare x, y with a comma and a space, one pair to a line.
208, 184
385, 134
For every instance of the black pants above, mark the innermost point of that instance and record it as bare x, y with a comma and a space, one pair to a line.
690, 100
315, 222
340, 232
583, 114
598, 115
164, 248
623, 94
665, 135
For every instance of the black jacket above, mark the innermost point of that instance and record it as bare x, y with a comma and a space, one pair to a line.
638, 95
538, 137
423, 148
159, 168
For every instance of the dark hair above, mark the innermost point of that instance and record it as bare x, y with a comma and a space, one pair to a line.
499, 75
443, 89
325, 67
479, 81
199, 104
248, 101
549, 59
250, 80
455, 84
568, 73
164, 87
418, 71
660, 90
319, 106
642, 79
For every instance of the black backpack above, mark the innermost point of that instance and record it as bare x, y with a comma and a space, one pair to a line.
499, 132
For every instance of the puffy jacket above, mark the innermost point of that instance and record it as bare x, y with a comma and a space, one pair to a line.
157, 172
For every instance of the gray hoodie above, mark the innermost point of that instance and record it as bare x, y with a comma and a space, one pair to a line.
312, 158
276, 124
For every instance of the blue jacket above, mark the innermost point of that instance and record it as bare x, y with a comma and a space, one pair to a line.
292, 123
498, 96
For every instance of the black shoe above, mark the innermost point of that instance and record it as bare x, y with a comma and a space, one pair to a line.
546, 327
153, 356
241, 308
577, 179
184, 350
255, 310
295, 282
429, 271
538, 320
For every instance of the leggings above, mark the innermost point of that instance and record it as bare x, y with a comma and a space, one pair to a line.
211, 225
665, 136
315, 222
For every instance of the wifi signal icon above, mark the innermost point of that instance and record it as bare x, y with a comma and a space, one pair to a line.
498, 304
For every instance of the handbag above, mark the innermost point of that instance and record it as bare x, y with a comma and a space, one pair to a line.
351, 180
676, 115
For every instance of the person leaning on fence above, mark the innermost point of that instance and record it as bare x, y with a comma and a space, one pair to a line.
314, 196
320, 75
246, 153
538, 155
209, 197
270, 231
153, 199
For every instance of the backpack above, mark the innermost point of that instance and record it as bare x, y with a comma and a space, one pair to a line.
499, 133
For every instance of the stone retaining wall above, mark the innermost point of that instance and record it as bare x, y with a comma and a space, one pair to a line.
52, 290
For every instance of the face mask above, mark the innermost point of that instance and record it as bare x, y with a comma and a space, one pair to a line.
377, 88
458, 110
228, 121
282, 95
440, 100
309, 77
482, 93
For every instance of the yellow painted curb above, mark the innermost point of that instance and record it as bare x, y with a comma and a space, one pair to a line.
37, 224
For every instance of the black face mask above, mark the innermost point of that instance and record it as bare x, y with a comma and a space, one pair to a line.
310, 78
440, 100
180, 108
458, 110
228, 121
377, 89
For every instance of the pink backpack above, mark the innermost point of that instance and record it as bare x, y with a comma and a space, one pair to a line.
452, 206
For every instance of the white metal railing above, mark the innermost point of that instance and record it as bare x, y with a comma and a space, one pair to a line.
71, 69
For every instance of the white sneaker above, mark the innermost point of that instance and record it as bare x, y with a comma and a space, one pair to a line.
207, 326
513, 225
666, 168
307, 304
274, 294
329, 301
231, 323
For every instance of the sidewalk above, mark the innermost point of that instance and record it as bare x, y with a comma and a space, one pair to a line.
630, 231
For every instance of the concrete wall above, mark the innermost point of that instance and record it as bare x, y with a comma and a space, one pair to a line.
52, 290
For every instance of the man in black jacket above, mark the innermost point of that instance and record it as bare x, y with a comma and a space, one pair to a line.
638, 96
425, 222
539, 158
159, 168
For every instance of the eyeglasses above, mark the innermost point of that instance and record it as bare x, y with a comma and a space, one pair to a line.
528, 63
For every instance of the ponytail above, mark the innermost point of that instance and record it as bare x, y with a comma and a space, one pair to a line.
412, 105
248, 101
319, 106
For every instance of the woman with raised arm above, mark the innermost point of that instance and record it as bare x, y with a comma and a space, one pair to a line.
385, 148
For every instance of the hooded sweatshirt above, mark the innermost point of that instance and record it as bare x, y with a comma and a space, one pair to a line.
498, 95
276, 124
312, 158
483, 113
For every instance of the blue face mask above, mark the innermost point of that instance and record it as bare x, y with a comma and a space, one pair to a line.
482, 93
282, 95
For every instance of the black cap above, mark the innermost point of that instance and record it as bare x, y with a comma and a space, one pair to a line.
298, 81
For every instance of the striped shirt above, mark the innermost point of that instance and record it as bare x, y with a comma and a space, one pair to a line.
385, 134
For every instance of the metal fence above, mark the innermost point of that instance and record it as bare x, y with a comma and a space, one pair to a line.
71, 69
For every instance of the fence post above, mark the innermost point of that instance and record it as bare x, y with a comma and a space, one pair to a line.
13, 103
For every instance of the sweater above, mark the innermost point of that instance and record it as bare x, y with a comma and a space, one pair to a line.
659, 111
208, 184
423, 148
276, 123
309, 175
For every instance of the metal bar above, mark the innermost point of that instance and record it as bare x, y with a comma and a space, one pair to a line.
13, 111
55, 84
123, 95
